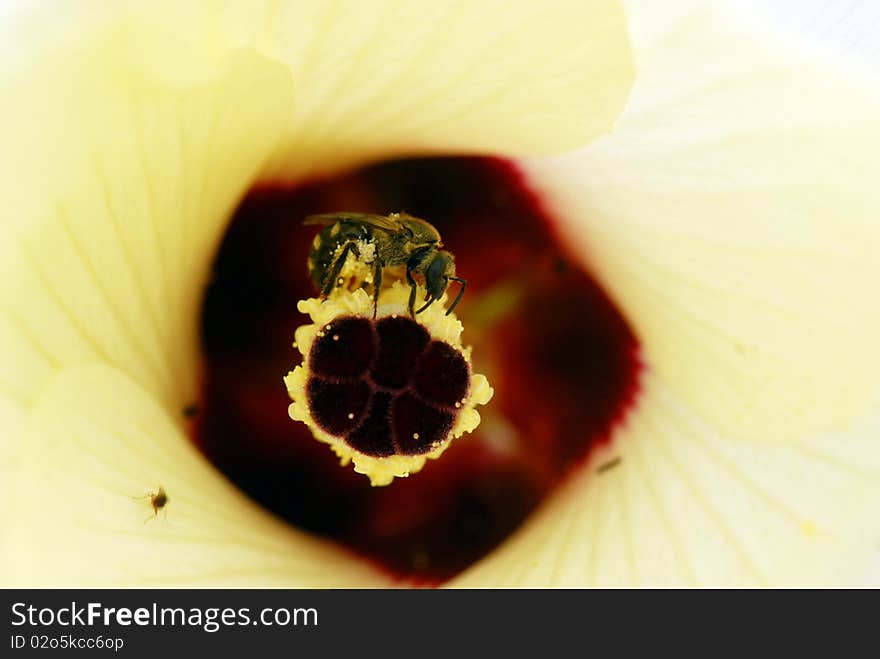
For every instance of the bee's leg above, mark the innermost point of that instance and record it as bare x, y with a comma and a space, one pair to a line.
412, 293
333, 275
463, 283
427, 304
377, 283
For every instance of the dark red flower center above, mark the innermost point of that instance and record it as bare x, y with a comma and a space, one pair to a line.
385, 386
562, 360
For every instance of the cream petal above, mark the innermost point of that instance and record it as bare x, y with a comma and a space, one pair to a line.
116, 178
840, 28
384, 77
95, 440
381, 78
733, 216
117, 174
688, 506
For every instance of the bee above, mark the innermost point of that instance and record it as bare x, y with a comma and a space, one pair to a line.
380, 242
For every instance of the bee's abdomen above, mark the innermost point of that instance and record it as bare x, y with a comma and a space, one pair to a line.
321, 253
325, 247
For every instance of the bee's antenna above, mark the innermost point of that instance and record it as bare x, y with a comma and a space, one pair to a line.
463, 283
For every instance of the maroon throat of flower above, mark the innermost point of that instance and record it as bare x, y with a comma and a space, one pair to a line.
562, 360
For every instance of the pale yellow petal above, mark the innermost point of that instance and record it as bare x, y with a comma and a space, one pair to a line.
688, 506
95, 441
385, 77
379, 78
123, 155
733, 216
124, 152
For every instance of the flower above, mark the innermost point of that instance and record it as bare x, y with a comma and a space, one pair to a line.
731, 215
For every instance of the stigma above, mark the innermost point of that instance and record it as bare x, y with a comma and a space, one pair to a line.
386, 393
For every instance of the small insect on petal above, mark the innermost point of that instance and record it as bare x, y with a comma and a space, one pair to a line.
158, 501
608, 466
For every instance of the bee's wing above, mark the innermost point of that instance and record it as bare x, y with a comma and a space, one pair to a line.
378, 221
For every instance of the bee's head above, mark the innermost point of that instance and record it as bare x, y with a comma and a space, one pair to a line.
440, 269
420, 232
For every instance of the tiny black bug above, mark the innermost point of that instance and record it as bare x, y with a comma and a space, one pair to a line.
158, 500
